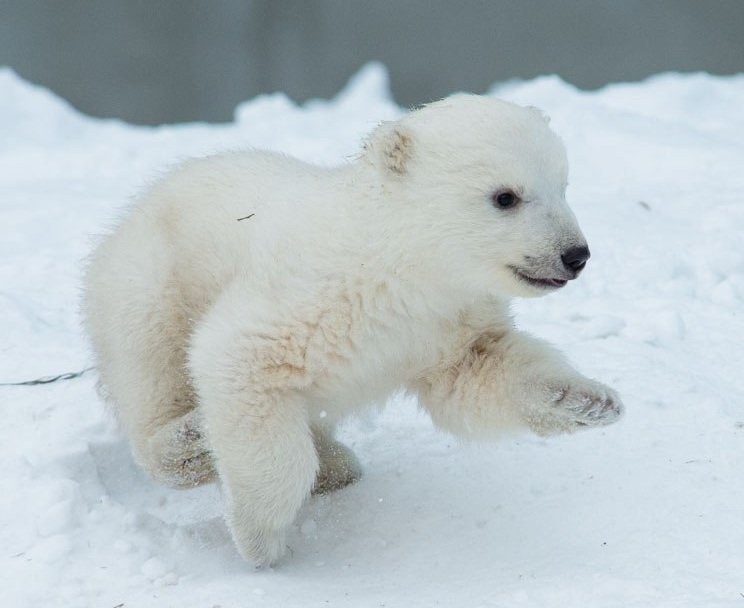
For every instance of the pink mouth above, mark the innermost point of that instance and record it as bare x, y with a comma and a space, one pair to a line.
541, 283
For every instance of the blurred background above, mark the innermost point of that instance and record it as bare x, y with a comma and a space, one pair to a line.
157, 61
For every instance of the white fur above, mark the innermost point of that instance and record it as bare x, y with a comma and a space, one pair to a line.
231, 348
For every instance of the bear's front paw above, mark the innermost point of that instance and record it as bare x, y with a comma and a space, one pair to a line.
567, 405
260, 545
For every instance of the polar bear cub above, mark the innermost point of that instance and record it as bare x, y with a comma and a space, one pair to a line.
250, 301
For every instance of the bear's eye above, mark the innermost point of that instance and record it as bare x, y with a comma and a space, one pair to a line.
504, 199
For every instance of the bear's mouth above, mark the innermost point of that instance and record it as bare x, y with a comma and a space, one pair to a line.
540, 283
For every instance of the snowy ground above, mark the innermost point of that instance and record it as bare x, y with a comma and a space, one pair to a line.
649, 512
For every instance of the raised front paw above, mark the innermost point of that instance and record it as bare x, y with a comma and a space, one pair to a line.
563, 406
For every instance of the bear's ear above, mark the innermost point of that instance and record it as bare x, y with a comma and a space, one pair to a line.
391, 145
540, 113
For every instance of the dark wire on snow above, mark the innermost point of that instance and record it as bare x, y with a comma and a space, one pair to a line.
49, 379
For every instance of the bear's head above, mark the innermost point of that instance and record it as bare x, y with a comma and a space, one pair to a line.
480, 184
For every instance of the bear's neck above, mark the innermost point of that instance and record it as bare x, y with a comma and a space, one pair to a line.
376, 237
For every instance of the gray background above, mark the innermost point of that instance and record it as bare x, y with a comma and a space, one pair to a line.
154, 61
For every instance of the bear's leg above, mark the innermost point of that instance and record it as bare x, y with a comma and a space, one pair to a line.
510, 379
179, 453
140, 327
339, 466
156, 408
251, 395
267, 464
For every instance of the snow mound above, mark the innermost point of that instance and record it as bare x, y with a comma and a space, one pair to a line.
33, 115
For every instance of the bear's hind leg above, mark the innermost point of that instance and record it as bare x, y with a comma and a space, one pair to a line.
179, 454
339, 466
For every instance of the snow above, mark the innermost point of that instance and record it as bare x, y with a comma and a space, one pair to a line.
648, 512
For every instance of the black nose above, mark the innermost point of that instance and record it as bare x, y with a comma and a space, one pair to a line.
575, 258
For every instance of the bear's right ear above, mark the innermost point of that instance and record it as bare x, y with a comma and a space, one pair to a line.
390, 145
